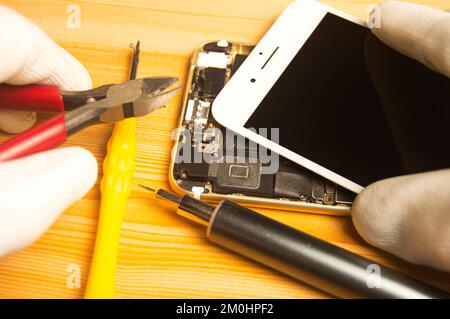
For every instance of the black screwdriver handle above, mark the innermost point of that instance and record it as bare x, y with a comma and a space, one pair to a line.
309, 259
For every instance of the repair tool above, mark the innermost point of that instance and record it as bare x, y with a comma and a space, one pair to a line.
102, 104
297, 254
115, 188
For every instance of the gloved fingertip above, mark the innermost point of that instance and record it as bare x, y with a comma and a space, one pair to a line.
68, 73
37, 189
408, 217
90, 165
379, 211
29, 55
364, 213
417, 31
80, 171
75, 76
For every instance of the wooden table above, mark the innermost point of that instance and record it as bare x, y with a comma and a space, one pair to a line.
162, 255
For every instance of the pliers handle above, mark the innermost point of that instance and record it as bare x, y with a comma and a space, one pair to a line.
46, 98
44, 136
41, 98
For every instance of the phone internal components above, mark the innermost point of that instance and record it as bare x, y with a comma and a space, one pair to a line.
201, 138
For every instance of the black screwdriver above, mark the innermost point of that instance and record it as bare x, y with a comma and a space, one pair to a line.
297, 254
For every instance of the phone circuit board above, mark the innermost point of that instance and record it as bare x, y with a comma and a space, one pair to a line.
199, 158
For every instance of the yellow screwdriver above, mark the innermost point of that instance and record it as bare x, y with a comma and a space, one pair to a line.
115, 188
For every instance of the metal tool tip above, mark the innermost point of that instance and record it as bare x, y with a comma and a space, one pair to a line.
163, 194
168, 196
147, 188
132, 45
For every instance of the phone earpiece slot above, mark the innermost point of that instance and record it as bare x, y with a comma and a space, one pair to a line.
270, 57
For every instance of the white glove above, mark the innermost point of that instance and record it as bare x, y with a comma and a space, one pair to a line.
419, 32
28, 55
36, 189
409, 216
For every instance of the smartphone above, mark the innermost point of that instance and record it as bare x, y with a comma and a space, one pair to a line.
200, 142
344, 105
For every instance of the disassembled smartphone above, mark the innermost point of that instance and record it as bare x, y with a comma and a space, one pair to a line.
347, 106
242, 178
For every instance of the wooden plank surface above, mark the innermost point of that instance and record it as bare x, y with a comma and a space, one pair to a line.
162, 255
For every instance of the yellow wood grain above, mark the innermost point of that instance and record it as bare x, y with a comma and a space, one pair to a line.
162, 255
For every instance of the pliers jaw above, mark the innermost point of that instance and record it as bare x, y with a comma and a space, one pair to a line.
154, 95
151, 96
145, 106
149, 88
129, 99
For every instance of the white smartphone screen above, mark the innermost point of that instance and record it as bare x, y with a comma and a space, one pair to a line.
358, 108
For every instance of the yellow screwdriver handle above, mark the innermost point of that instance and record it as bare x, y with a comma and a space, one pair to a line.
115, 188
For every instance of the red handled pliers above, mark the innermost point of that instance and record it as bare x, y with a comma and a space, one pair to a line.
78, 109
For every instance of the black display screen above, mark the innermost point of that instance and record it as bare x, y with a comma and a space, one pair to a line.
359, 108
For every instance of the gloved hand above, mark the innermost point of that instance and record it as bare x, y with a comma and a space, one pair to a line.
409, 216
36, 189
